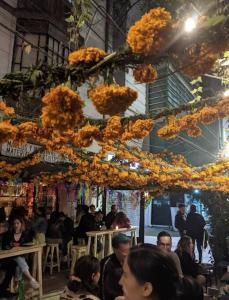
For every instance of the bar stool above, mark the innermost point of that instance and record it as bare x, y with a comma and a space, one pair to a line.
50, 251
77, 252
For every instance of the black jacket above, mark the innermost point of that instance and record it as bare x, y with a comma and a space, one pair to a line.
188, 265
109, 219
111, 272
195, 225
180, 222
8, 238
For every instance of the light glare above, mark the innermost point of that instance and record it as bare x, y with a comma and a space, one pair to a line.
226, 93
190, 24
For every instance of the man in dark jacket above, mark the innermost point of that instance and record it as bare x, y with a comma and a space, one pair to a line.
195, 229
111, 216
180, 222
111, 268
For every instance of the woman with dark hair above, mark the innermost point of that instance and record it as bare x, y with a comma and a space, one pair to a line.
84, 282
149, 274
16, 237
121, 221
189, 267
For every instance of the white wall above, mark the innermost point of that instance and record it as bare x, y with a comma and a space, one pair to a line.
6, 39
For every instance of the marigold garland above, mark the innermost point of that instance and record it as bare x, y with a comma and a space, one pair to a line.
84, 137
63, 109
137, 129
114, 128
7, 132
6, 109
86, 55
206, 115
145, 74
149, 34
112, 99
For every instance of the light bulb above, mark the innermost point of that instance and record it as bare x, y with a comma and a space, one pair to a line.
190, 24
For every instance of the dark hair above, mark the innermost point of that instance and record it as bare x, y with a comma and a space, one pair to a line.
119, 239
62, 214
21, 220
85, 267
92, 205
54, 216
180, 205
193, 208
150, 264
183, 244
113, 206
161, 234
41, 212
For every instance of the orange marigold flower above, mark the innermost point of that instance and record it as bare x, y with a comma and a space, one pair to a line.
84, 137
208, 115
148, 35
112, 99
114, 128
86, 55
137, 129
7, 132
194, 131
145, 74
63, 109
6, 109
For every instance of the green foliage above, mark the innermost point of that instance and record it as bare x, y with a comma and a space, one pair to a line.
80, 14
218, 209
198, 90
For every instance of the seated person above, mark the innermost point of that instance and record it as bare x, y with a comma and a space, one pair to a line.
121, 221
164, 242
15, 237
84, 282
111, 268
189, 267
54, 224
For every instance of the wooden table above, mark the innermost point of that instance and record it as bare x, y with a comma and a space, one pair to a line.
108, 233
19, 251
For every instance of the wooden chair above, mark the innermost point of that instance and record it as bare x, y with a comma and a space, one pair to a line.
50, 252
77, 252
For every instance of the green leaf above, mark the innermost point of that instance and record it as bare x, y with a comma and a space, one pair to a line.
226, 54
70, 19
200, 89
213, 21
194, 91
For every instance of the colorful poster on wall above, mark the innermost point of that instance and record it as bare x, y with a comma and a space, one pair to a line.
126, 201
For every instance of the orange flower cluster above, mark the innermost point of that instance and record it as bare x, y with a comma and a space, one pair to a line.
200, 58
86, 55
112, 99
7, 132
6, 109
149, 34
145, 74
84, 137
15, 168
114, 128
137, 129
63, 109
26, 131
206, 115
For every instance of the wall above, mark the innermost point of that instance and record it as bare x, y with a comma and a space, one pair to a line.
6, 38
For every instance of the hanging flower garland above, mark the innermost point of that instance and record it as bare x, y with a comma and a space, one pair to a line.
7, 132
149, 34
112, 99
62, 110
145, 74
137, 129
206, 115
86, 55
6, 109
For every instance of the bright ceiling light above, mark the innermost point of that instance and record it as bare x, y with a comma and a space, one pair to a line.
190, 24
226, 93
